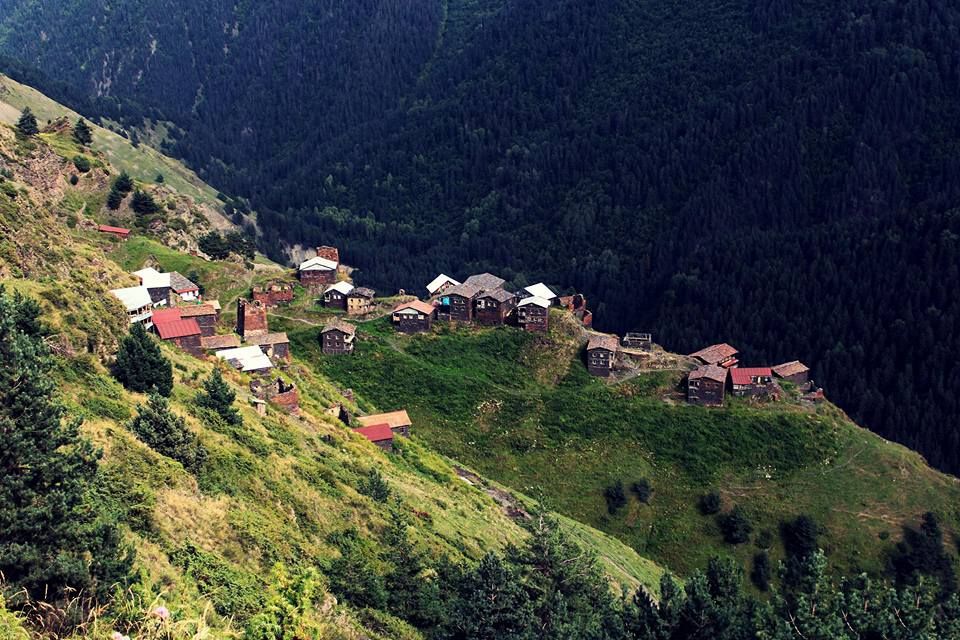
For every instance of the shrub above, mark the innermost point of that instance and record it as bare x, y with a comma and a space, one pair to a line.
74, 179
761, 573
167, 434
642, 489
615, 497
800, 536
710, 503
82, 163
375, 486
736, 526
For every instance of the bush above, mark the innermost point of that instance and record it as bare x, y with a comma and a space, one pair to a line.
167, 434
74, 179
615, 497
710, 503
761, 573
82, 163
800, 536
736, 526
375, 486
642, 489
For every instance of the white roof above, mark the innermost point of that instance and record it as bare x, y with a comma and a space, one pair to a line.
540, 290
318, 264
153, 279
439, 281
250, 358
540, 302
133, 298
342, 287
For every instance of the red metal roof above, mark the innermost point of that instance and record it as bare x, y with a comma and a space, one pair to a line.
743, 375
105, 228
376, 432
161, 316
177, 329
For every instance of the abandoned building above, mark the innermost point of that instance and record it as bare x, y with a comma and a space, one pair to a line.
398, 421
602, 354
577, 306
337, 337
494, 307
379, 434
205, 315
360, 301
750, 381
533, 314
795, 372
706, 385
276, 346
246, 359
414, 316
137, 303
317, 272
282, 394
273, 294
251, 318
184, 333
440, 284
329, 253
637, 341
335, 296
719, 354
457, 302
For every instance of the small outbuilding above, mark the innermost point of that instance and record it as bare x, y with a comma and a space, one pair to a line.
602, 354
398, 421
415, 316
117, 232
336, 338
379, 434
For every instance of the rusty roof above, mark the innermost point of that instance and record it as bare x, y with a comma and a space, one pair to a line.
603, 341
194, 310
715, 353
710, 372
220, 342
744, 375
784, 370
416, 305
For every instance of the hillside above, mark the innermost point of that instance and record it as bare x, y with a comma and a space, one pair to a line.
280, 507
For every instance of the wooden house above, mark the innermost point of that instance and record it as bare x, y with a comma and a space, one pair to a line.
485, 282
204, 314
456, 303
750, 381
494, 307
335, 296
336, 338
360, 301
602, 354
116, 232
138, 304
379, 434
158, 284
795, 372
440, 284
183, 333
275, 345
533, 314
251, 318
415, 316
719, 354
706, 385
398, 421
317, 272
183, 289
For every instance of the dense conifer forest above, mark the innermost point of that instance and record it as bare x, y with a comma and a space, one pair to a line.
777, 174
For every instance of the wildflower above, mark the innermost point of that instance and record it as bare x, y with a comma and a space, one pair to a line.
161, 612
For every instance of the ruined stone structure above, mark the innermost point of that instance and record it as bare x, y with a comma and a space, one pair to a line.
251, 318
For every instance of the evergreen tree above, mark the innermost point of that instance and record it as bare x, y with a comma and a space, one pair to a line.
736, 526
615, 497
761, 573
27, 124
710, 503
53, 536
167, 433
140, 365
114, 199
123, 183
82, 133
493, 604
143, 203
800, 536
354, 574
219, 397
413, 596
214, 245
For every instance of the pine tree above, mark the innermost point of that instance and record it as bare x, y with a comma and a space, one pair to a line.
52, 535
493, 603
114, 199
143, 203
27, 124
167, 433
82, 133
218, 397
736, 526
123, 183
140, 366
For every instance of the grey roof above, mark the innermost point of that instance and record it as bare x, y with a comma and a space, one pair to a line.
710, 372
180, 283
499, 295
466, 290
603, 341
362, 292
339, 325
485, 281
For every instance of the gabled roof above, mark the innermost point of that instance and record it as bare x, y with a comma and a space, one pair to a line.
415, 305
715, 353
246, 358
337, 324
166, 315
394, 419
230, 341
439, 281
743, 375
133, 298
213, 303
177, 329
362, 292
194, 310
105, 228
709, 372
318, 264
499, 295
340, 287
153, 279
180, 284
603, 341
466, 290
485, 281
540, 290
534, 300
788, 369
279, 337
376, 432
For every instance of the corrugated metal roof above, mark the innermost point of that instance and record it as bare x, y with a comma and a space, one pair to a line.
415, 305
788, 369
340, 287
439, 281
153, 279
540, 290
744, 375
535, 300
105, 228
715, 353
247, 358
133, 298
176, 328
166, 315
318, 264
376, 432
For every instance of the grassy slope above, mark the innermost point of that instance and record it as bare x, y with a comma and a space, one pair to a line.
522, 411
277, 489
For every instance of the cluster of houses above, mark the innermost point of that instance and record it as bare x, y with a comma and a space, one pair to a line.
719, 373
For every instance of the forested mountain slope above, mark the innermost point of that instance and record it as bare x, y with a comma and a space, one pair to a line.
756, 171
